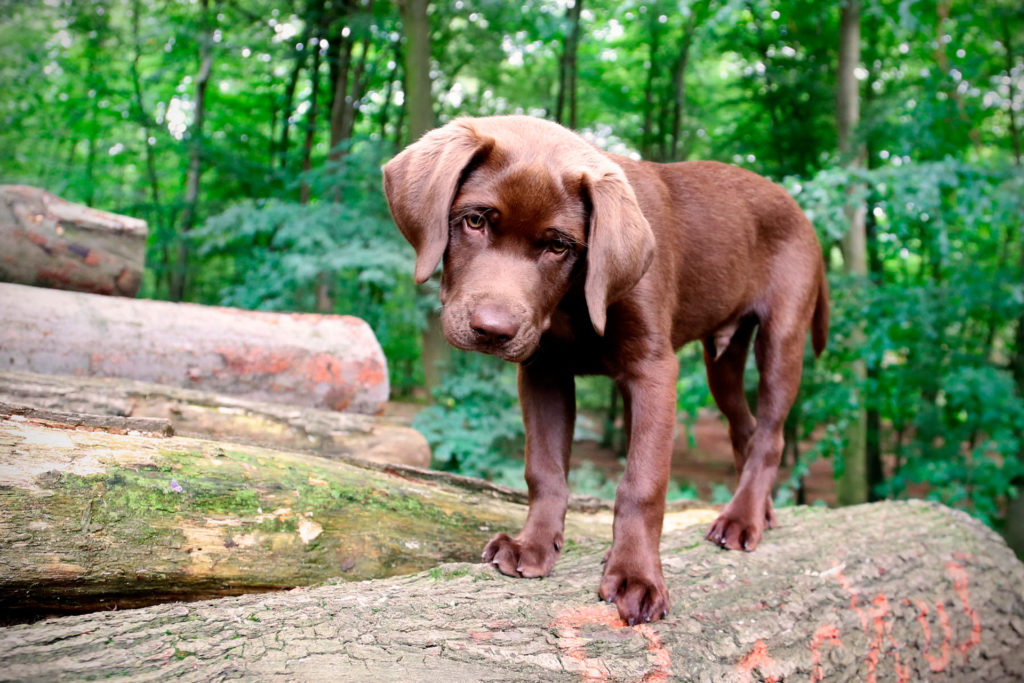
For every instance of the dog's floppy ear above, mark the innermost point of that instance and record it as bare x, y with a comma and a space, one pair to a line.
421, 183
620, 245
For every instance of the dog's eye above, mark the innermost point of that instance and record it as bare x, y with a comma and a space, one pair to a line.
475, 221
558, 246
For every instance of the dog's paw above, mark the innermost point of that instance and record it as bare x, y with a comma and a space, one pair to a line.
739, 528
523, 558
640, 594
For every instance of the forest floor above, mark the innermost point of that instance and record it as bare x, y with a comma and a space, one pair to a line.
704, 465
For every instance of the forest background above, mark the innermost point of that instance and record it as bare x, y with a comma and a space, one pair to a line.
250, 135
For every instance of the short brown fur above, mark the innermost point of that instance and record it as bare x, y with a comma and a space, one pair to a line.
568, 261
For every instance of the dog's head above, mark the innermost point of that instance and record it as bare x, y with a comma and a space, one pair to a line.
519, 208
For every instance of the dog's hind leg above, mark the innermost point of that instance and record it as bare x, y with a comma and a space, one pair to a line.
725, 368
778, 350
725, 378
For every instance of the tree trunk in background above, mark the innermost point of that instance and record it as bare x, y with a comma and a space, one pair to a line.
852, 486
697, 11
145, 120
385, 109
567, 68
418, 104
436, 353
315, 18
287, 106
647, 144
195, 134
1014, 129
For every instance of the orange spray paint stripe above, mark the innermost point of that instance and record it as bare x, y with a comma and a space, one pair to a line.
570, 621
940, 662
825, 634
758, 658
959, 575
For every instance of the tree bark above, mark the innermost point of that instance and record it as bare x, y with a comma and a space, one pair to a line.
1014, 128
201, 414
837, 595
50, 242
103, 511
697, 11
144, 118
331, 362
567, 68
311, 20
195, 134
310, 137
416, 27
647, 134
435, 351
852, 486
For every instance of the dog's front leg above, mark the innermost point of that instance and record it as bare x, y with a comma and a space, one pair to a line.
632, 575
548, 399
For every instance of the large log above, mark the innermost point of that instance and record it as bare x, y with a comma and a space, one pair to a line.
226, 418
321, 361
51, 242
887, 592
107, 513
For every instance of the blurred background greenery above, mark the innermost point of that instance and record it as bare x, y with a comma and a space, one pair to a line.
250, 134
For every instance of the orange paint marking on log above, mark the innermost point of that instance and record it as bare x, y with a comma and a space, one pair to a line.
370, 373
323, 368
569, 623
480, 636
882, 603
254, 361
759, 659
959, 575
940, 662
845, 583
880, 628
825, 634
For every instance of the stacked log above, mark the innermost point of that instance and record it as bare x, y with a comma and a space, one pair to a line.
332, 362
889, 592
50, 242
190, 412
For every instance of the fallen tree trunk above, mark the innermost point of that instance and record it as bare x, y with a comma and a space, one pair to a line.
889, 591
51, 242
320, 361
214, 416
95, 515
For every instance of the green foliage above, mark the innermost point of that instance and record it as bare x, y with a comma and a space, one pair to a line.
945, 294
475, 425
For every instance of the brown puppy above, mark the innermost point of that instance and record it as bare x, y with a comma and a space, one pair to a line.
571, 261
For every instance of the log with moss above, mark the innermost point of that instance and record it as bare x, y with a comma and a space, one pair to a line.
203, 414
101, 512
51, 242
886, 592
331, 362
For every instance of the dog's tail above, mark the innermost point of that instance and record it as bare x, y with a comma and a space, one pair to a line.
819, 323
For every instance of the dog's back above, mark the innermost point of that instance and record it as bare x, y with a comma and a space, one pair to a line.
728, 241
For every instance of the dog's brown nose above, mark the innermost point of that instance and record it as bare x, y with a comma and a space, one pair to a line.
494, 323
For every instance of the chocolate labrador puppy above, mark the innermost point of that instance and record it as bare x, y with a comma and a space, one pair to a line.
568, 261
